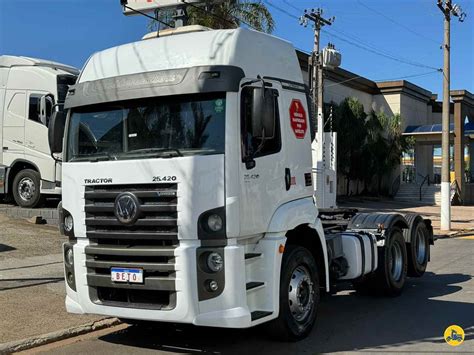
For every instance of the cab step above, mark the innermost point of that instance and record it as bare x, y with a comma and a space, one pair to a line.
249, 256
254, 284
255, 315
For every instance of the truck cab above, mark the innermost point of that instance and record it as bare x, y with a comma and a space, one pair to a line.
30, 91
188, 187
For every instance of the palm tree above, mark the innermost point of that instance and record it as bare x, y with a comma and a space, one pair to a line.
385, 144
227, 14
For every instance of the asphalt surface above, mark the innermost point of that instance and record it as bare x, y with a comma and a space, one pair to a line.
347, 322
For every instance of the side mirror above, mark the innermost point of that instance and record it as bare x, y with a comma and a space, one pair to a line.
46, 108
263, 114
56, 131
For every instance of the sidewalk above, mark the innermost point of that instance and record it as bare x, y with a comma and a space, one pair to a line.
462, 217
32, 286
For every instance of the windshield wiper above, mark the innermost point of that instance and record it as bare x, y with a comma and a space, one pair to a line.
94, 158
156, 150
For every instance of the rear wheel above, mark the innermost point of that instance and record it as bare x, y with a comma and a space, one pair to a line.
26, 188
299, 295
392, 265
418, 250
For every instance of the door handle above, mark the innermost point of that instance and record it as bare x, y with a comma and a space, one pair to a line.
287, 178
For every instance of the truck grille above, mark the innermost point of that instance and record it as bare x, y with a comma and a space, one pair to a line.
147, 244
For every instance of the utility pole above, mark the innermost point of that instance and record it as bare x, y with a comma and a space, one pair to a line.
315, 69
447, 8
326, 195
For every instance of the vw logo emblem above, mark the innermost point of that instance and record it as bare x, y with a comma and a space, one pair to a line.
126, 208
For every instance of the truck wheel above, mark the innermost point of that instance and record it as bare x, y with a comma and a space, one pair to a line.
392, 265
418, 250
26, 188
299, 295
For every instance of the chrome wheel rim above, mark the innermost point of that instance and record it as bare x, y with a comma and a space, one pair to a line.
301, 293
420, 247
26, 189
396, 261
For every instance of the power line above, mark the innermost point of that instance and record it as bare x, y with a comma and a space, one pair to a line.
382, 54
362, 44
292, 6
280, 9
397, 23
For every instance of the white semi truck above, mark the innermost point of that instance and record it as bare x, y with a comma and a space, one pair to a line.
30, 91
188, 190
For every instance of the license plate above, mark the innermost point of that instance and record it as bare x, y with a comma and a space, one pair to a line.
127, 275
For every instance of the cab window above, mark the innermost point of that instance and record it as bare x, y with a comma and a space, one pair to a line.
256, 146
34, 109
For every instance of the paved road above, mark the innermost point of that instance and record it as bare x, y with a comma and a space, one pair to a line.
347, 322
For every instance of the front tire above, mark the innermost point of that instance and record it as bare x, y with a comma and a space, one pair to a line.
299, 295
26, 188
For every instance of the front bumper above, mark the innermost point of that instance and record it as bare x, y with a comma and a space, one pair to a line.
229, 309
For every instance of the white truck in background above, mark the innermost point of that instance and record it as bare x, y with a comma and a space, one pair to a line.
188, 190
30, 91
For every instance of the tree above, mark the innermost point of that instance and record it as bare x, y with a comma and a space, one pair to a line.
385, 144
227, 14
369, 147
349, 123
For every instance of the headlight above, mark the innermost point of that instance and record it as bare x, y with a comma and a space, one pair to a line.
215, 262
214, 222
69, 257
68, 223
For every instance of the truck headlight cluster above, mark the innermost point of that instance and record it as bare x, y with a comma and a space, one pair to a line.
69, 265
210, 272
215, 262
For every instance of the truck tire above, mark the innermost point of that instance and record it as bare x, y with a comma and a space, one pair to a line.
391, 272
299, 295
26, 188
418, 249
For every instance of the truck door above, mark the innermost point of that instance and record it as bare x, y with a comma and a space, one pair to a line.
14, 125
262, 185
36, 135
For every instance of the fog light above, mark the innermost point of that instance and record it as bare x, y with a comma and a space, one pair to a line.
70, 278
68, 223
69, 257
213, 286
214, 222
215, 262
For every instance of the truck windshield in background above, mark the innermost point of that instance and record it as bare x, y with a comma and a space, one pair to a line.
148, 128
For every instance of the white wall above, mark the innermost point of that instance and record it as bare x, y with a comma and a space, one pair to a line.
338, 92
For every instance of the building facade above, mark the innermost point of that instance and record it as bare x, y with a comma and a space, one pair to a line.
420, 112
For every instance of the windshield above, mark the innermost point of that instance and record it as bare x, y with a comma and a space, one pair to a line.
158, 127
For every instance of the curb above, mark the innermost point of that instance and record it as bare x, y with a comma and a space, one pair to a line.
28, 343
456, 234
46, 215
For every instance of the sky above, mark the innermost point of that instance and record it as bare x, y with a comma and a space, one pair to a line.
378, 39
